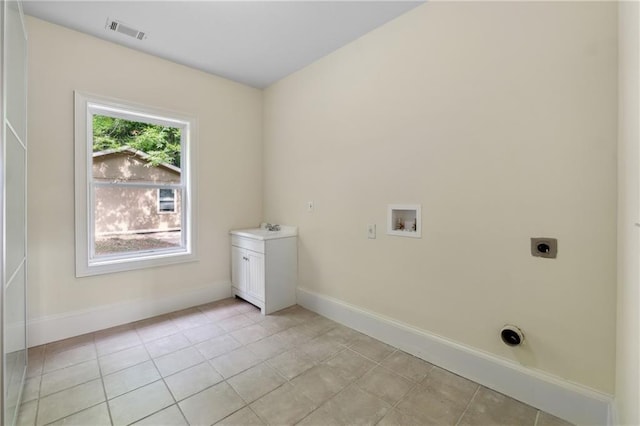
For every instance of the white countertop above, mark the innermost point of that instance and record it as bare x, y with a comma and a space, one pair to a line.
263, 234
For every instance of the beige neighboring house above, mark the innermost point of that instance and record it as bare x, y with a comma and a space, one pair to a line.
126, 210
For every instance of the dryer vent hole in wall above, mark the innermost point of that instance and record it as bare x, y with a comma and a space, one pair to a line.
511, 335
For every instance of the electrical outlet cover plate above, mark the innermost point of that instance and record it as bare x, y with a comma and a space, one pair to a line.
544, 247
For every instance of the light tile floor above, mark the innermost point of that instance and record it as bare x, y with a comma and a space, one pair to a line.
224, 363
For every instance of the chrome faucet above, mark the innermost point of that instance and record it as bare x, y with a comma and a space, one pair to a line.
271, 227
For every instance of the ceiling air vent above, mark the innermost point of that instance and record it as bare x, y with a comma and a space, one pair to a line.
119, 27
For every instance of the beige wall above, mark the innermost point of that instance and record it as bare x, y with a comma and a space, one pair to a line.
628, 345
229, 165
500, 120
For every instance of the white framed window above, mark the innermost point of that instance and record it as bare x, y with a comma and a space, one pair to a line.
134, 186
166, 200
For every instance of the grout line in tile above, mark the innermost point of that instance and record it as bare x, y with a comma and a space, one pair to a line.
161, 377
194, 394
256, 414
246, 404
275, 370
235, 411
67, 388
415, 385
468, 405
157, 411
352, 382
208, 361
389, 370
314, 410
73, 414
35, 419
182, 413
161, 337
535, 422
104, 390
388, 356
362, 355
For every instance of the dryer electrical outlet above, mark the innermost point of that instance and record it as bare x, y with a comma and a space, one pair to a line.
544, 247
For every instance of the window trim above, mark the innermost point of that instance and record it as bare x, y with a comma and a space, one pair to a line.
86, 265
173, 201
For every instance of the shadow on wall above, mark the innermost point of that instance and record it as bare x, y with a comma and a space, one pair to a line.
121, 209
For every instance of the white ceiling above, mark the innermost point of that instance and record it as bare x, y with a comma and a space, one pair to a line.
252, 42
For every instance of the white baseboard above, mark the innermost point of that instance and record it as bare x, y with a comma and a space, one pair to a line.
69, 324
575, 403
613, 415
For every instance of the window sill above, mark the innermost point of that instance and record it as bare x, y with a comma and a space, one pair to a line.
129, 263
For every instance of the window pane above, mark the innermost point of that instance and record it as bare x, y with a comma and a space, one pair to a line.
166, 206
133, 151
127, 220
166, 194
166, 200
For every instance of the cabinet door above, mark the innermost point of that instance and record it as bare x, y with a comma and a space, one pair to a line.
238, 268
255, 282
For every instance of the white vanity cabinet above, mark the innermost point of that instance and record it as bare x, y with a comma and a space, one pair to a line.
264, 267
247, 273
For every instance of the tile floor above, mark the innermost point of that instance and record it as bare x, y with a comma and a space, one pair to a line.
224, 363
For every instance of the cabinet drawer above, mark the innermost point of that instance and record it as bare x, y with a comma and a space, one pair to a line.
248, 243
